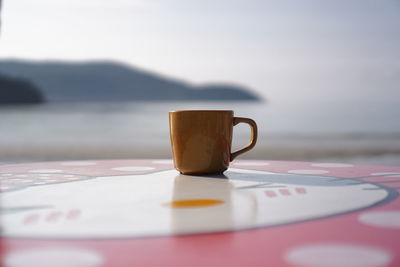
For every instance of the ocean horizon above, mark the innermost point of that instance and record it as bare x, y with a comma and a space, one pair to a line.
292, 130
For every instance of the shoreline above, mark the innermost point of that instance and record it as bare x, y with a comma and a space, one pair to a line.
382, 155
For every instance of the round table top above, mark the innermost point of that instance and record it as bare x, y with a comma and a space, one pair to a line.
144, 213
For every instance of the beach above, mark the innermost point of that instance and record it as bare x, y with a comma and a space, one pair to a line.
326, 132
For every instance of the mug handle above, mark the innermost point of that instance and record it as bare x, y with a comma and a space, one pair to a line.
253, 137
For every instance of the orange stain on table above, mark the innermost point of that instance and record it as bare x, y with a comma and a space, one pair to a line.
194, 203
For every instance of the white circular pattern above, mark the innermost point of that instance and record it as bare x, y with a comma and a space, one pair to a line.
338, 255
394, 174
46, 170
22, 180
383, 219
73, 178
78, 163
251, 163
133, 168
332, 165
308, 171
164, 161
46, 178
53, 257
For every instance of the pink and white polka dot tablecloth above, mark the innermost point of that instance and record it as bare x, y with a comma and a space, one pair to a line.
144, 213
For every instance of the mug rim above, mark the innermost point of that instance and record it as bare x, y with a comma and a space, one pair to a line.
200, 110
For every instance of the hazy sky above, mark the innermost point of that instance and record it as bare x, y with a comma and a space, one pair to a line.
314, 49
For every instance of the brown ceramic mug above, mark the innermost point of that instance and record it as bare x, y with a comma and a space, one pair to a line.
201, 140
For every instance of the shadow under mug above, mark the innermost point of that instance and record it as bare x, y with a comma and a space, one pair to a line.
201, 140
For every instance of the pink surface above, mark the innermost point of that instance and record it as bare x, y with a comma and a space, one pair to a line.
366, 237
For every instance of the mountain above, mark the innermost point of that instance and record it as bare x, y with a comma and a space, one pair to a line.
110, 81
18, 91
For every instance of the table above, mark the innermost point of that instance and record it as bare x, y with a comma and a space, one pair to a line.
144, 213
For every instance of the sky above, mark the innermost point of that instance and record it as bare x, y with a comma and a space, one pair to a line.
308, 50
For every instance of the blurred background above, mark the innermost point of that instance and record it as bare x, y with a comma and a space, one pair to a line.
95, 79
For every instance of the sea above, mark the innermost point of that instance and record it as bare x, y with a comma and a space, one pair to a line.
354, 132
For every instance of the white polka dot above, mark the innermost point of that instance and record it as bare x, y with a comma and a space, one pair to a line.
46, 178
332, 165
21, 175
338, 255
69, 175
251, 163
308, 171
22, 180
73, 178
51, 257
387, 174
78, 163
165, 161
132, 168
46, 170
247, 171
384, 219
44, 175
